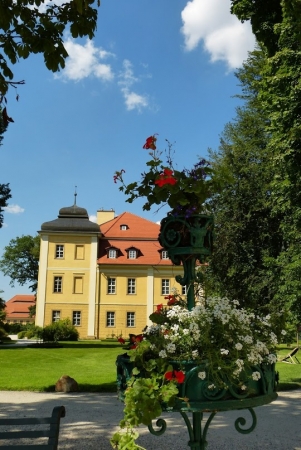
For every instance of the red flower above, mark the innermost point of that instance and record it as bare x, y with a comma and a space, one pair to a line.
121, 340
134, 338
150, 143
171, 300
159, 307
175, 375
118, 175
166, 178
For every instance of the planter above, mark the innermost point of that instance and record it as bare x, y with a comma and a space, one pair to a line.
198, 396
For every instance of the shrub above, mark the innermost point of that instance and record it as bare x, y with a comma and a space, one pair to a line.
14, 328
3, 333
62, 330
21, 334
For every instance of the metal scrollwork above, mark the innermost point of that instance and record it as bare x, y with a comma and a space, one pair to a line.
161, 424
241, 421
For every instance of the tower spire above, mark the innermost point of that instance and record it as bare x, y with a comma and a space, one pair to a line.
75, 195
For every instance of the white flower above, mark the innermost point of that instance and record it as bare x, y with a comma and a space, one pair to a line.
256, 376
202, 375
224, 351
238, 346
243, 387
171, 348
283, 332
194, 354
163, 354
272, 358
211, 386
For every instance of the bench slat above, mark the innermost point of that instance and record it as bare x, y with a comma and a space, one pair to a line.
51, 431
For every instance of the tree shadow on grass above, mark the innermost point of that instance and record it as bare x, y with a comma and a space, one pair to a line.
87, 387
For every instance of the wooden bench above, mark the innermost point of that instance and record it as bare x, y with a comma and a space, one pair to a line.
51, 431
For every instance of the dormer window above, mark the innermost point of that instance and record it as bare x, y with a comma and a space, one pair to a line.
132, 254
164, 254
112, 253
124, 227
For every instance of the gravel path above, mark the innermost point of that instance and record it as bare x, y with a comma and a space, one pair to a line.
92, 418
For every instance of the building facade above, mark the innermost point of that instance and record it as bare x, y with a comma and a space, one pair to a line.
106, 277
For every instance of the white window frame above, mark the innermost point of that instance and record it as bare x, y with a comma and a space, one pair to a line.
56, 315
131, 288
59, 251
165, 286
111, 317
76, 318
184, 290
130, 319
58, 284
164, 254
132, 253
111, 286
112, 253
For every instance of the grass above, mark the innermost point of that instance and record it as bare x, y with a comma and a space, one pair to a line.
91, 364
289, 374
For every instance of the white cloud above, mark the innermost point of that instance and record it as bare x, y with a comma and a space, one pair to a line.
223, 36
93, 218
13, 209
131, 98
84, 61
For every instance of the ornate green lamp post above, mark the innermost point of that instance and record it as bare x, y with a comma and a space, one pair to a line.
188, 240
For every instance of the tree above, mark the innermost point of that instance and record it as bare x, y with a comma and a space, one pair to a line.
277, 25
4, 196
37, 26
247, 235
2, 308
20, 261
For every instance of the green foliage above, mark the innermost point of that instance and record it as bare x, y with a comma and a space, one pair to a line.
264, 16
30, 26
4, 196
20, 260
62, 330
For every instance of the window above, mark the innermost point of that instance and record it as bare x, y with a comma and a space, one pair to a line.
131, 286
112, 253
79, 252
111, 285
124, 227
164, 254
78, 285
59, 251
165, 287
184, 290
130, 319
110, 319
56, 315
132, 254
76, 318
58, 284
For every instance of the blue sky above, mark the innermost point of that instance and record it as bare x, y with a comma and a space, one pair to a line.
154, 66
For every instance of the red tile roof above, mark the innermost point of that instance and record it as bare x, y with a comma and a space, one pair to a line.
17, 306
141, 234
137, 227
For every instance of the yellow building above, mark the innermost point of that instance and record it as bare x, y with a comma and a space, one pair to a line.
106, 277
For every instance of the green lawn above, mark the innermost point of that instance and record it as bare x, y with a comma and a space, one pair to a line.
91, 364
